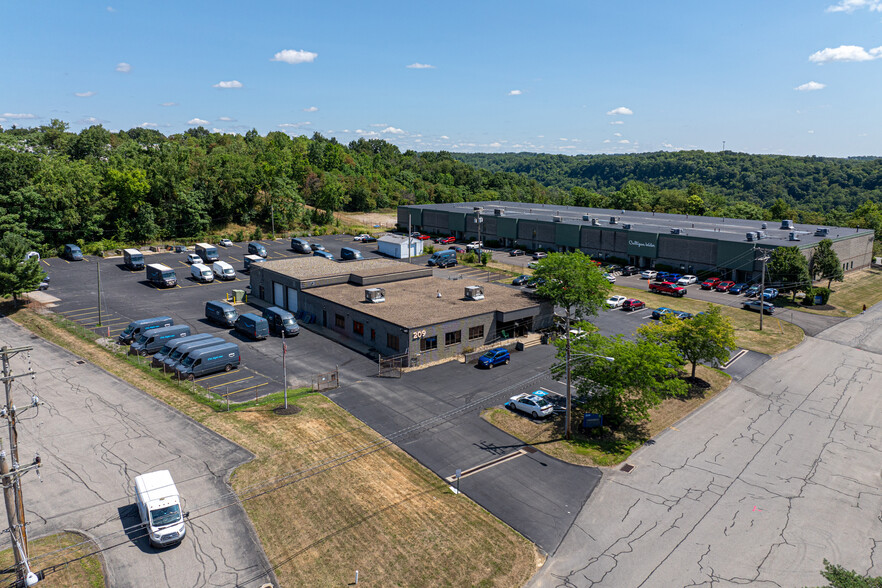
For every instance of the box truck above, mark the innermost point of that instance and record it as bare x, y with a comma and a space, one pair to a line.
161, 275
134, 259
159, 506
207, 252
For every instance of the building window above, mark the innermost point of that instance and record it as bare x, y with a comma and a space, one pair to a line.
340, 321
373, 335
452, 338
392, 341
476, 332
358, 328
428, 343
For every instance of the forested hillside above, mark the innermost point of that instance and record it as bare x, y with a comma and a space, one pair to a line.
139, 186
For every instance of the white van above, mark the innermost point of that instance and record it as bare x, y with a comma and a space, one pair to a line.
201, 273
223, 271
159, 507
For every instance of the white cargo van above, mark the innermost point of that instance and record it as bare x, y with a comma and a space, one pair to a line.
159, 507
201, 272
223, 271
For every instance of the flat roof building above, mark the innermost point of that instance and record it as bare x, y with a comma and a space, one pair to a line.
398, 309
684, 243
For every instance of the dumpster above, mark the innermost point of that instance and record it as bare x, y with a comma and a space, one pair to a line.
238, 295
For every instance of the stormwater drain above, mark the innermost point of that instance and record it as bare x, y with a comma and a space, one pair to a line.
80, 362
628, 468
529, 449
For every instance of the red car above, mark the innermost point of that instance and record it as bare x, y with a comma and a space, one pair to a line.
633, 304
668, 288
724, 286
420, 236
446, 240
710, 283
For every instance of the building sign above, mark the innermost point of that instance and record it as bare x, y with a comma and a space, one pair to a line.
642, 244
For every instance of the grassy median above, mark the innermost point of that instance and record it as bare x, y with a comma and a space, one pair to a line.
78, 574
328, 496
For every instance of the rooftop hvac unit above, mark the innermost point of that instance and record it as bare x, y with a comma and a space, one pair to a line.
499, 211
626, 226
760, 235
676, 231
595, 222
556, 219
586, 217
474, 292
613, 220
765, 226
794, 236
787, 224
375, 295
751, 236
821, 232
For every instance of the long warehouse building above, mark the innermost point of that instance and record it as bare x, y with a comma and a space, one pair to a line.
684, 243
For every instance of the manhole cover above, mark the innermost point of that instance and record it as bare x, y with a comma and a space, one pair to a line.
628, 468
80, 362
282, 411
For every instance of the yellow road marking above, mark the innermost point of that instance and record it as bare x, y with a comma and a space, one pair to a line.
81, 314
234, 259
46, 262
210, 377
243, 390
228, 383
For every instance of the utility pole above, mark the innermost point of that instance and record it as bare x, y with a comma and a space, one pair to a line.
98, 267
479, 221
11, 476
763, 257
285, 367
569, 391
408, 237
273, 219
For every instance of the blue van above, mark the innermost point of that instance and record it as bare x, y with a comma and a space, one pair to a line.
209, 360
72, 253
136, 328
446, 258
349, 253
153, 340
173, 344
221, 312
255, 248
280, 320
181, 351
253, 325
325, 254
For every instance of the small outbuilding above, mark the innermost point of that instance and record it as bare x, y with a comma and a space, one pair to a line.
396, 246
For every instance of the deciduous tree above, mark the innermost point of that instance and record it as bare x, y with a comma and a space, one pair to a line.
16, 274
825, 263
788, 270
706, 337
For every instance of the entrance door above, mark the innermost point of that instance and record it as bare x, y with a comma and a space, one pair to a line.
292, 300
278, 295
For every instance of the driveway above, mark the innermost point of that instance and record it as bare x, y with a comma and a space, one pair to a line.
95, 434
757, 487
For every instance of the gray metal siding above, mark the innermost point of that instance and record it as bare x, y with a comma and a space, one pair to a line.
686, 249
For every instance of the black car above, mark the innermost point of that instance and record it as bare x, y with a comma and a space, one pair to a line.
612, 269
521, 280
629, 270
535, 282
516, 252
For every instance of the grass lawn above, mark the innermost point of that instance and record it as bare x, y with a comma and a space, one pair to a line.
848, 297
548, 435
776, 336
319, 517
79, 574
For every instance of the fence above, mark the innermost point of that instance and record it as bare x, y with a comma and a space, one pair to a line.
392, 367
326, 381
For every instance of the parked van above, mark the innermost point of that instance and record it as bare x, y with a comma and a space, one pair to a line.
325, 254
444, 258
223, 271
209, 360
252, 325
183, 350
159, 506
72, 253
134, 259
207, 252
300, 246
201, 273
136, 328
153, 340
161, 275
279, 320
173, 344
348, 253
221, 312
251, 260
255, 248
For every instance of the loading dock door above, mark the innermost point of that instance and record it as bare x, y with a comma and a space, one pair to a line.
292, 300
278, 295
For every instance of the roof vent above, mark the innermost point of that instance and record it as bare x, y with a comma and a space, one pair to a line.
676, 231
375, 295
556, 219
474, 292
787, 224
751, 236
613, 220
794, 236
765, 226
595, 222
586, 217
499, 211
821, 232
626, 226
760, 235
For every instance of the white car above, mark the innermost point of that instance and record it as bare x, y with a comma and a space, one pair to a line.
616, 301
225, 243
474, 245
648, 274
687, 280
534, 406
610, 278
532, 265
193, 258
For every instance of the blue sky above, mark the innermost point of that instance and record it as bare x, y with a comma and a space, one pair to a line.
799, 78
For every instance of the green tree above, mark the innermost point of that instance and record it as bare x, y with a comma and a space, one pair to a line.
825, 263
706, 337
788, 270
641, 374
839, 577
572, 282
16, 274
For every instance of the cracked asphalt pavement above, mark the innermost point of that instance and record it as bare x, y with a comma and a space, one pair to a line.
757, 487
95, 434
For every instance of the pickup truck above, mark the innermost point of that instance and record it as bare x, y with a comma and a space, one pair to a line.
667, 288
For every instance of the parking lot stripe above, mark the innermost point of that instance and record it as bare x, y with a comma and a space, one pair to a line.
485, 465
210, 377
228, 383
234, 259
46, 262
82, 313
242, 390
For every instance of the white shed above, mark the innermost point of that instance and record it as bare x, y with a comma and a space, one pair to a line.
396, 246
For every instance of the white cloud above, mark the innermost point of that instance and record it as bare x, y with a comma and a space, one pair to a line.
393, 131
620, 111
295, 125
616, 122
625, 142
14, 115
169, 104
294, 57
148, 125
495, 144
84, 94
228, 85
418, 65
197, 121
852, 5
379, 125
123, 67
515, 93
617, 134
311, 109
111, 9
810, 86
226, 119
91, 120
444, 137
607, 141
845, 53
811, 132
